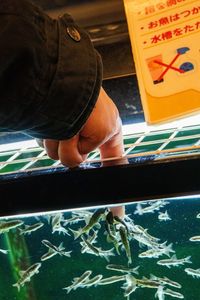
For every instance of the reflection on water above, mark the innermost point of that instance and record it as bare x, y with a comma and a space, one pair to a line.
154, 252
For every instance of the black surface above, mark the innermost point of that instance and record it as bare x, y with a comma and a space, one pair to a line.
64, 189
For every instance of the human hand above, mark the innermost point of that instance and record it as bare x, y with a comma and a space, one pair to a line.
102, 130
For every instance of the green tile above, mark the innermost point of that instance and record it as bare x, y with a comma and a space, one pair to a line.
42, 163
29, 154
180, 144
188, 132
5, 157
145, 148
154, 137
13, 167
130, 140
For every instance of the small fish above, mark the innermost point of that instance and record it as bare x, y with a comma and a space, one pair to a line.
30, 228
173, 294
93, 281
111, 280
48, 255
160, 293
56, 219
58, 250
198, 216
155, 253
156, 205
112, 238
173, 261
166, 281
92, 222
118, 220
91, 239
194, 273
123, 269
164, 216
6, 226
125, 242
195, 238
78, 281
26, 275
147, 283
97, 251
130, 285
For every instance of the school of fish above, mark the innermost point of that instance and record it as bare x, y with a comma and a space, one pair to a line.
120, 234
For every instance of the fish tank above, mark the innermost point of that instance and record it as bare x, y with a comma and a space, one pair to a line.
62, 236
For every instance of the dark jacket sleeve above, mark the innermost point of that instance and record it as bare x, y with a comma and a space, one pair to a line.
50, 74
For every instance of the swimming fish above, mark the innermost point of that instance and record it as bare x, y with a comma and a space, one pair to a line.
93, 281
174, 261
26, 275
91, 249
30, 228
156, 252
123, 269
194, 273
92, 222
147, 283
78, 281
163, 216
160, 293
166, 281
195, 238
6, 226
58, 250
173, 294
125, 242
130, 285
112, 279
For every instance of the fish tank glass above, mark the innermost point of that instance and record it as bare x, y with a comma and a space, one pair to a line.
90, 253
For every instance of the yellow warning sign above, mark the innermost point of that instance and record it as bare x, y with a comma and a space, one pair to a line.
165, 38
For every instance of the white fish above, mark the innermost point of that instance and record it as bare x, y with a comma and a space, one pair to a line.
58, 250
195, 238
26, 275
78, 281
198, 216
92, 282
163, 216
30, 228
123, 269
147, 283
166, 281
7, 226
112, 279
130, 285
174, 261
140, 229
155, 253
173, 294
194, 273
156, 205
48, 255
91, 249
160, 293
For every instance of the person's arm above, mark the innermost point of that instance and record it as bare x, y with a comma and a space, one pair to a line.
50, 73
50, 85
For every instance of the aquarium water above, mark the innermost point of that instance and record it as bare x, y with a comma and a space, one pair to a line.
87, 253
